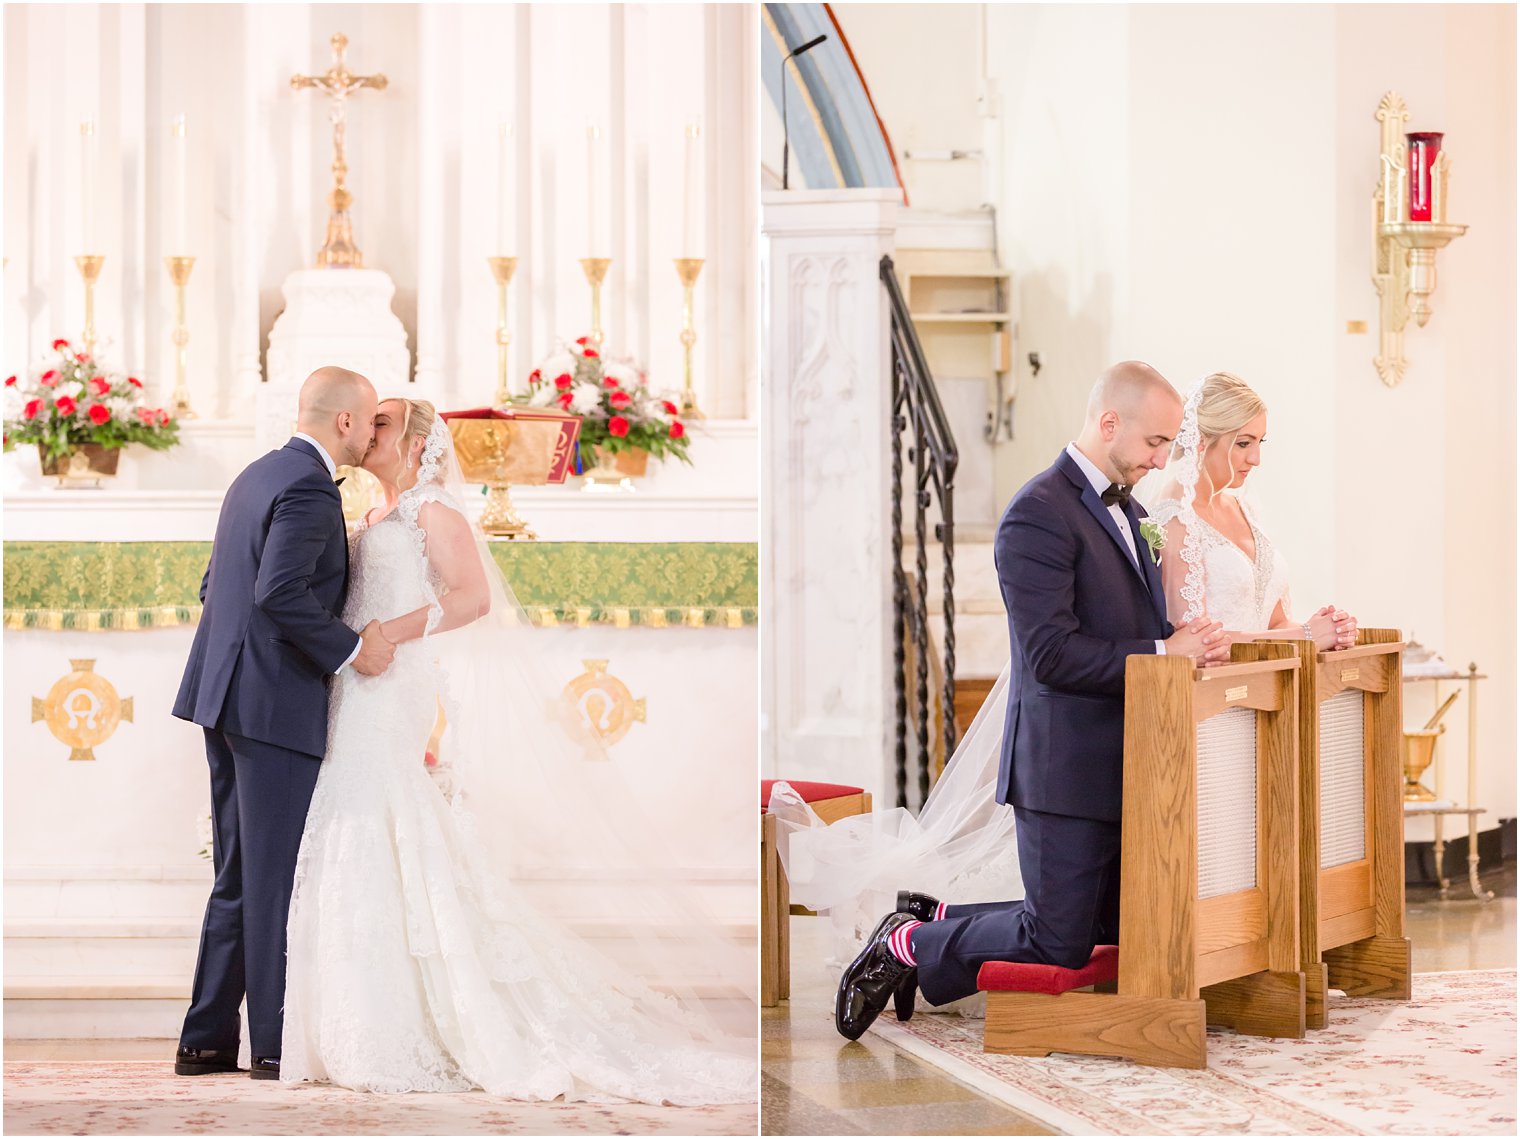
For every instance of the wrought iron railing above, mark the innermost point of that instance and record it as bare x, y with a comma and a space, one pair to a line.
916, 409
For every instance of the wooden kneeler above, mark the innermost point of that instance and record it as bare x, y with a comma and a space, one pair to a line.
1033, 1010
1351, 834
1210, 843
1208, 875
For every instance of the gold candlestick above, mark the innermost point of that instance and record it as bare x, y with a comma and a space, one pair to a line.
89, 268
502, 269
179, 272
689, 269
596, 272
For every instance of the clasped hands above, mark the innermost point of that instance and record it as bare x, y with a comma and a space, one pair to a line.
1208, 642
375, 652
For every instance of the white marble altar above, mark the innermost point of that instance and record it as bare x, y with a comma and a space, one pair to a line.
104, 890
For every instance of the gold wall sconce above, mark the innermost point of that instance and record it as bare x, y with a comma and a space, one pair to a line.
1408, 226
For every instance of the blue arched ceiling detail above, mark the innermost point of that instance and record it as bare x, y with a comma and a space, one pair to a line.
837, 140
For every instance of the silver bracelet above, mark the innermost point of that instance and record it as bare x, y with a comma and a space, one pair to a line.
1308, 635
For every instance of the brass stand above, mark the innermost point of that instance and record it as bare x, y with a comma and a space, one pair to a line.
502, 269
596, 272
89, 268
179, 272
689, 269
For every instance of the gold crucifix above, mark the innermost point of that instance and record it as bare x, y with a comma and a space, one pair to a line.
339, 250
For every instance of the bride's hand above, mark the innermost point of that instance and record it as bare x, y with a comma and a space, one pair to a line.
1322, 629
1332, 629
1345, 629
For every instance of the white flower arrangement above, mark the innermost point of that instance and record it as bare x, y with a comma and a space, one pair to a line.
1155, 537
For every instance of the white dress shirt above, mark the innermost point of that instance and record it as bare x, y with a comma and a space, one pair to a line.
1100, 483
332, 470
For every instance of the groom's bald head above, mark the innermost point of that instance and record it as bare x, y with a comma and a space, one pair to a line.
1133, 415
1126, 388
337, 408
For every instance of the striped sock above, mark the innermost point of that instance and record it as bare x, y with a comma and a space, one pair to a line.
900, 942
939, 912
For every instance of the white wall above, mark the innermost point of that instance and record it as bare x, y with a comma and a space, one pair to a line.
422, 157
1190, 185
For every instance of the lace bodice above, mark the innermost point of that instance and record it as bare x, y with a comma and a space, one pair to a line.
1225, 582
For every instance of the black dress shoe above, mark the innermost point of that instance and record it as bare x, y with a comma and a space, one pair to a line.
872, 979
204, 1061
264, 1068
921, 906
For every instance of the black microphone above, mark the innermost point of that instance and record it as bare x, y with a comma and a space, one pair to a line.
786, 127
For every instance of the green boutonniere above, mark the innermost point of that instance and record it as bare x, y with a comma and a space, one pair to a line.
1155, 537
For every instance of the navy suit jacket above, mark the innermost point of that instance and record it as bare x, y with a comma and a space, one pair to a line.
1077, 607
269, 638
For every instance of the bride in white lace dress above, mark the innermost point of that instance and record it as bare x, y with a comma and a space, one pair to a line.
1217, 562
415, 961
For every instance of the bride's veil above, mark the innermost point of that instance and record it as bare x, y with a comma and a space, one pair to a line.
959, 847
561, 825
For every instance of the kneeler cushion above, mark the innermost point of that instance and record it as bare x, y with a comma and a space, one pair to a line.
810, 792
1026, 977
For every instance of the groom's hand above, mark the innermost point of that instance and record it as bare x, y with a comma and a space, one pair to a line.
375, 652
1205, 641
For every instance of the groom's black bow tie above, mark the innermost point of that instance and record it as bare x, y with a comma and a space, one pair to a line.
341, 481
1116, 495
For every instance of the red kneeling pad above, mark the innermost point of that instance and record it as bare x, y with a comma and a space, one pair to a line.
1025, 977
810, 792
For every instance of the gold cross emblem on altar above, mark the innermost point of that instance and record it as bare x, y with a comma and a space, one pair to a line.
338, 82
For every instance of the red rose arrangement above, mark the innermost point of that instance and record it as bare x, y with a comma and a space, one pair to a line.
72, 401
617, 409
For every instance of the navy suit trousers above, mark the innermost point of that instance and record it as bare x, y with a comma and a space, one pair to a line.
259, 796
1070, 869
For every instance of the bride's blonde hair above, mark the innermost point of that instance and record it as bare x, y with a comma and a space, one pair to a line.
1228, 404
417, 416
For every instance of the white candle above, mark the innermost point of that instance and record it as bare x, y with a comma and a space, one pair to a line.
506, 193
691, 197
87, 180
181, 182
594, 185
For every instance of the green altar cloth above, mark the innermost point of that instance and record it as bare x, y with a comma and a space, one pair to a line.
148, 585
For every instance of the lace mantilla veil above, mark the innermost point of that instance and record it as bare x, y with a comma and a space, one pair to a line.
529, 780
960, 847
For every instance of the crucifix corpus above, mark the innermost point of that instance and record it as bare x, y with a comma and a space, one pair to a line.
339, 250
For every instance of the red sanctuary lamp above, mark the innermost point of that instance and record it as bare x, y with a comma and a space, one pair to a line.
1409, 228
1424, 148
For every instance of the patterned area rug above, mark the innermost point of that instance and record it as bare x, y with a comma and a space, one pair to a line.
142, 1098
1441, 1064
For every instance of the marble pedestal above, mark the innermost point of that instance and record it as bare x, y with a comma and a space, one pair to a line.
332, 316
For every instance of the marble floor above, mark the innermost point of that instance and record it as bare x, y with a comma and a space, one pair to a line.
816, 1083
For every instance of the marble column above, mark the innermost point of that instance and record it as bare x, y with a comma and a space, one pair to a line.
826, 586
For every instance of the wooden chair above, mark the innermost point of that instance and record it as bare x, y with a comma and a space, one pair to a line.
831, 802
1209, 875
1351, 823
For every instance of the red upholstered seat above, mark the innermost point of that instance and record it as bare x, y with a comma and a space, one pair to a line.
810, 792
1024, 977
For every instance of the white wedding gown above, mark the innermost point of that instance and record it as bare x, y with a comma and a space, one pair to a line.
411, 965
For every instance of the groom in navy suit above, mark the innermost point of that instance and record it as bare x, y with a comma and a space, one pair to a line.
1083, 592
269, 639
